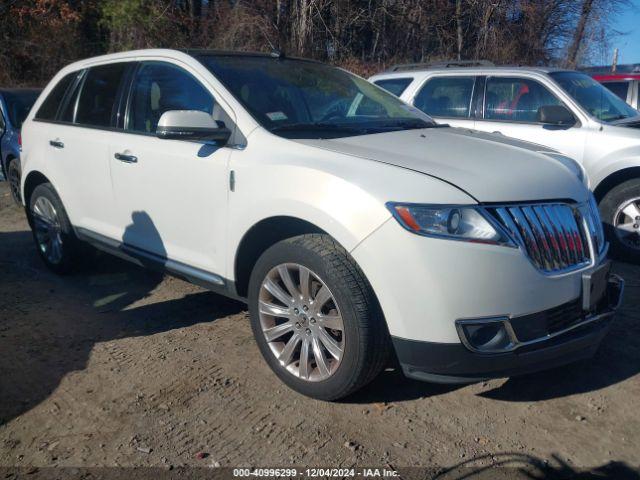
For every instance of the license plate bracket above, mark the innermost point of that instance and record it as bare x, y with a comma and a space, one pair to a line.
594, 286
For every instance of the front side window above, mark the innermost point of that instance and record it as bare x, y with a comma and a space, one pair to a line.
621, 89
446, 97
304, 99
97, 102
394, 85
593, 97
160, 87
515, 99
49, 108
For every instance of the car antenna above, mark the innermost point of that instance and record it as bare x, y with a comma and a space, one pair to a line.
276, 53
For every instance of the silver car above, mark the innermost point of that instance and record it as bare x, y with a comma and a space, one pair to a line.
566, 110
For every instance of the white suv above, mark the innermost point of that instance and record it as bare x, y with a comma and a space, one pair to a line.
565, 110
351, 224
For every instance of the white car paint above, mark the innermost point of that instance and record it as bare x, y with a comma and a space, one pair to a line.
198, 218
601, 148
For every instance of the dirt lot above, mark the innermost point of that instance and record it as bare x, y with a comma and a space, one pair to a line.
123, 367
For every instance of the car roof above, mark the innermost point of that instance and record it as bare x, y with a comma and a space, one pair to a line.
172, 53
479, 70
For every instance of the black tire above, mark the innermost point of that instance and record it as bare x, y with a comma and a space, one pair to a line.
70, 246
13, 177
610, 206
366, 339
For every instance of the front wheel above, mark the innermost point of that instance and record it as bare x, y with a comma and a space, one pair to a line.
620, 210
315, 317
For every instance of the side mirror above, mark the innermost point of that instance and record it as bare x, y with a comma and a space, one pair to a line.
555, 115
192, 125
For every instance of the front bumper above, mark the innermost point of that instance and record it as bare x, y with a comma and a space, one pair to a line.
545, 339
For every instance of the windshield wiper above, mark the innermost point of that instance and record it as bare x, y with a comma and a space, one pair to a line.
317, 126
409, 125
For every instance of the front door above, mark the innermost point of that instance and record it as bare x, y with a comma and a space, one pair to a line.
511, 106
170, 195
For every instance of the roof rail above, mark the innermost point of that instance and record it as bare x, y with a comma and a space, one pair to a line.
442, 64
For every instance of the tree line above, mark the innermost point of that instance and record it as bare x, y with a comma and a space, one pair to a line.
38, 37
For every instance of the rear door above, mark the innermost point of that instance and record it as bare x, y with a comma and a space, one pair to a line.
448, 99
510, 106
170, 196
80, 141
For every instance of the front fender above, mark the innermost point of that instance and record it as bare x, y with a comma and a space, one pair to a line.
343, 195
613, 162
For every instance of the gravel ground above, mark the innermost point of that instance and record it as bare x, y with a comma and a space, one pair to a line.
118, 366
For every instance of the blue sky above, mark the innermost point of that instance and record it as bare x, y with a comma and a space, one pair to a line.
628, 21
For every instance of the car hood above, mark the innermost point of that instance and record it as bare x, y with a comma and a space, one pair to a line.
632, 122
489, 167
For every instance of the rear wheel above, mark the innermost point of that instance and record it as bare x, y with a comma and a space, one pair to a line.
52, 232
315, 317
13, 176
620, 210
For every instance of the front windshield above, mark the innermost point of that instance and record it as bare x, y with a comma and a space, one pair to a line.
593, 97
18, 105
304, 99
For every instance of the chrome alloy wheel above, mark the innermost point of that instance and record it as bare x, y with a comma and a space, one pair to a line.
301, 322
47, 229
626, 222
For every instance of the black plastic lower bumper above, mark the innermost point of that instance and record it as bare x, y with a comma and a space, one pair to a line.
454, 363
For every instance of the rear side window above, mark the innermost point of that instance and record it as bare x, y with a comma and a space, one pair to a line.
446, 97
49, 107
515, 99
160, 87
97, 102
394, 85
621, 89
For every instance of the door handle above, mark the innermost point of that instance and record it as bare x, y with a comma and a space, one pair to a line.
56, 143
126, 158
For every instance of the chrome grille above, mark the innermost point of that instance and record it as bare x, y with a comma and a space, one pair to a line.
557, 237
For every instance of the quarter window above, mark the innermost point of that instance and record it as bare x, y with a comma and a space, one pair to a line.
49, 108
97, 103
394, 85
446, 97
160, 87
515, 99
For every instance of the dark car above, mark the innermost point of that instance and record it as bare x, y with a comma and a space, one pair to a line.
15, 104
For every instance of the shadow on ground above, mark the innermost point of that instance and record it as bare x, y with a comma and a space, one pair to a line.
106, 302
64, 317
512, 465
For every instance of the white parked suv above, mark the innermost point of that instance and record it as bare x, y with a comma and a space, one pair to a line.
565, 110
352, 225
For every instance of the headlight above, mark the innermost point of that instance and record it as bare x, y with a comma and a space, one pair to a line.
450, 221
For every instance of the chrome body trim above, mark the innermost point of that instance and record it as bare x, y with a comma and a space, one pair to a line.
558, 238
515, 343
143, 258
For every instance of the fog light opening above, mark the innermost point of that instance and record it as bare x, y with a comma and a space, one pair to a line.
487, 336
